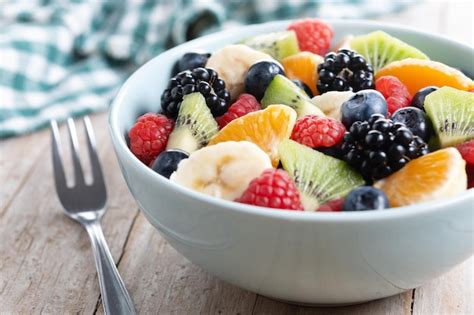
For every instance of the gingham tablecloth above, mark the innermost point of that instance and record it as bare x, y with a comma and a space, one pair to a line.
67, 58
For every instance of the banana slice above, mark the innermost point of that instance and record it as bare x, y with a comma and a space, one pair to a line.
330, 102
223, 170
232, 63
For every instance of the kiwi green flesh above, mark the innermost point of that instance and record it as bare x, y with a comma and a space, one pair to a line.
452, 113
194, 126
379, 49
282, 91
278, 44
319, 177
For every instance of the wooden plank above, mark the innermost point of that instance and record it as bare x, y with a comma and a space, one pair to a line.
395, 305
161, 281
46, 260
452, 293
17, 157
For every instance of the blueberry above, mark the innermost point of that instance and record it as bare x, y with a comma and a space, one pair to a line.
304, 87
419, 98
416, 120
361, 106
192, 60
167, 162
259, 77
365, 198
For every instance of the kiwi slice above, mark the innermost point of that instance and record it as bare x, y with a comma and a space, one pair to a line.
194, 125
452, 113
319, 177
278, 44
379, 49
282, 91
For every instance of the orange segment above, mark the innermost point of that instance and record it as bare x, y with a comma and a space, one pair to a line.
417, 74
266, 128
303, 66
433, 176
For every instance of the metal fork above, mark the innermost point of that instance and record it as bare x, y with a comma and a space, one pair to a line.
85, 203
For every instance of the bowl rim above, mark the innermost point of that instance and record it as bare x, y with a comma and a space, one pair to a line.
120, 144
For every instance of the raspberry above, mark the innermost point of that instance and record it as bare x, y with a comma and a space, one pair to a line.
394, 91
149, 135
274, 188
245, 104
332, 205
317, 131
313, 35
467, 152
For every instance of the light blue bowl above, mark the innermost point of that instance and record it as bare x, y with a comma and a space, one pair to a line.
315, 258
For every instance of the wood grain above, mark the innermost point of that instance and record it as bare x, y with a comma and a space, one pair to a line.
14, 172
161, 281
396, 305
46, 261
452, 293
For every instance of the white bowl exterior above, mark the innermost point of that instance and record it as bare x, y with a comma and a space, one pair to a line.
318, 258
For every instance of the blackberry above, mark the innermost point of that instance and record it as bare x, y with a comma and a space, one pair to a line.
344, 70
379, 147
202, 80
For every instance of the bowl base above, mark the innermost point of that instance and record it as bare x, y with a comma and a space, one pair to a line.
318, 304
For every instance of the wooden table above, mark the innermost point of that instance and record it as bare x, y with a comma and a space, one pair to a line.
46, 264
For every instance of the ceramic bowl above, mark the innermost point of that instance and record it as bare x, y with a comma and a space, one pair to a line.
311, 258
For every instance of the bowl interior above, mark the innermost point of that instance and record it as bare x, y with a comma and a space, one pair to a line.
142, 91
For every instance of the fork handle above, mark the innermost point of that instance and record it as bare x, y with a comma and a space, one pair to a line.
115, 297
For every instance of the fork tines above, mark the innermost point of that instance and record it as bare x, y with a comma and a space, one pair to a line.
59, 174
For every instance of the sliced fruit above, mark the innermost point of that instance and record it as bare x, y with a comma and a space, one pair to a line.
246, 103
232, 63
304, 67
434, 176
259, 77
194, 125
416, 74
380, 49
452, 113
282, 91
222, 170
266, 128
330, 102
319, 177
278, 44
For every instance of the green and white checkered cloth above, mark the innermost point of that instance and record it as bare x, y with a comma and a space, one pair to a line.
67, 58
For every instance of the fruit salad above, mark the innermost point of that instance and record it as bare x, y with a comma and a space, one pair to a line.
284, 121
